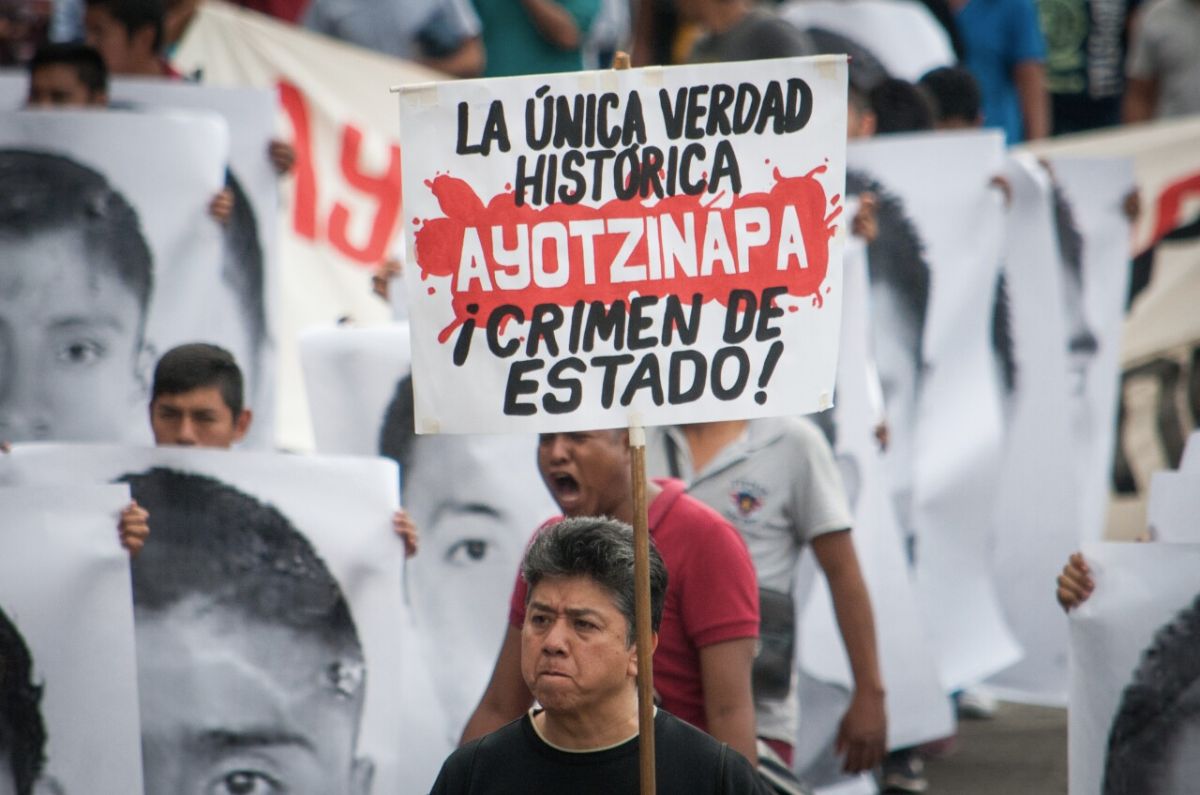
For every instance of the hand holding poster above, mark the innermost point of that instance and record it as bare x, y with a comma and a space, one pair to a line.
1135, 672
589, 248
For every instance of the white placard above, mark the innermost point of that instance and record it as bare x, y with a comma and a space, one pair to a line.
475, 499
1035, 528
1135, 671
589, 249
250, 235
64, 590
108, 257
243, 641
933, 270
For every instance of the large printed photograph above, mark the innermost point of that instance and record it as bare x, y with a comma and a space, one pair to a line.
274, 647
68, 675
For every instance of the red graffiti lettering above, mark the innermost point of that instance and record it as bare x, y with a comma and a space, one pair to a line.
499, 253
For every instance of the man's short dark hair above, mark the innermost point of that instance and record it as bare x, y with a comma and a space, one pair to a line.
85, 60
199, 365
217, 543
22, 731
602, 550
1162, 697
48, 193
135, 15
398, 431
900, 107
954, 92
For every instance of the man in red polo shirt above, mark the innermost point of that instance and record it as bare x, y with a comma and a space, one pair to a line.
710, 623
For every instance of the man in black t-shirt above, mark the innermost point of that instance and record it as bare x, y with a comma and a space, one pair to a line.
579, 659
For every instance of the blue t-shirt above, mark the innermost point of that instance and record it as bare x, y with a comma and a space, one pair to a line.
998, 35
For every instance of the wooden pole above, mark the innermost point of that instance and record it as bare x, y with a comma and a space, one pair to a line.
641, 584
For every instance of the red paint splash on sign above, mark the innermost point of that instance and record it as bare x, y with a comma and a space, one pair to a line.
500, 254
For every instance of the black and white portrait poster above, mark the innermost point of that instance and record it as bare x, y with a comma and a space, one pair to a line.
1035, 526
1095, 290
270, 620
933, 269
250, 236
108, 257
1135, 672
68, 682
475, 498
916, 706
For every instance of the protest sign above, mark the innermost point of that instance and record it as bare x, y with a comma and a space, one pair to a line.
933, 270
587, 249
1095, 289
117, 203
66, 631
305, 633
1135, 671
476, 499
916, 707
1162, 330
1035, 527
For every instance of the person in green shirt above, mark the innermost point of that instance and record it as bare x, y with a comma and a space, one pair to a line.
524, 37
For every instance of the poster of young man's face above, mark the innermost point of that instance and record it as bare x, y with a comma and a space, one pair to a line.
108, 257
476, 499
933, 269
915, 704
250, 237
68, 677
1135, 678
1035, 528
1095, 243
270, 622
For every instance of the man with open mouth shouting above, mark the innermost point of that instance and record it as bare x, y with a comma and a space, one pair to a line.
710, 621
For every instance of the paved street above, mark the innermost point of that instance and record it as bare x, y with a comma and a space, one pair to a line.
1022, 751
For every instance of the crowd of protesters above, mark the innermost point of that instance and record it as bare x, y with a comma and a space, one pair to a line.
1042, 68
1029, 68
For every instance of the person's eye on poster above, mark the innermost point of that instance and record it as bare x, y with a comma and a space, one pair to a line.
467, 551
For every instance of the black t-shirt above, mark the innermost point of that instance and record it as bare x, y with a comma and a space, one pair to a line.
514, 760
